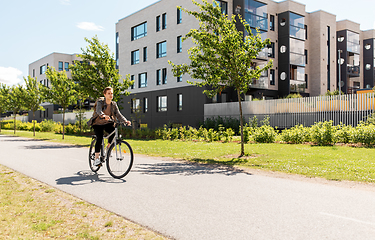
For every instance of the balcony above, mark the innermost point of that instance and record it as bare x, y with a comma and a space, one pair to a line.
261, 83
297, 86
353, 71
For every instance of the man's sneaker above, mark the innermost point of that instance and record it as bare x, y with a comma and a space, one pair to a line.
97, 162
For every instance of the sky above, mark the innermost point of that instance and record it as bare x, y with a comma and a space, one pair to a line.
31, 30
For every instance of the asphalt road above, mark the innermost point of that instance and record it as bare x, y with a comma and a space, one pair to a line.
191, 201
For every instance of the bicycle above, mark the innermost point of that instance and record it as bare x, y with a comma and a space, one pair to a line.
119, 157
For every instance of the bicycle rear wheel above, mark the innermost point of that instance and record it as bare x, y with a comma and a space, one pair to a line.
92, 157
119, 159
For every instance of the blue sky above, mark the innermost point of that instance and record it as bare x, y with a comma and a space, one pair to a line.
32, 29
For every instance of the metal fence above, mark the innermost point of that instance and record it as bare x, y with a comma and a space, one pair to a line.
285, 113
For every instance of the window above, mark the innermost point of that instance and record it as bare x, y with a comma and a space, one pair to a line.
145, 54
164, 21
161, 49
142, 80
272, 77
179, 79
305, 31
306, 81
42, 69
297, 26
162, 103
132, 79
223, 5
179, 102
305, 56
117, 49
161, 76
256, 14
136, 105
158, 23
272, 22
164, 76
66, 66
33, 72
179, 16
271, 50
353, 42
179, 44
139, 31
61, 67
158, 77
135, 57
145, 105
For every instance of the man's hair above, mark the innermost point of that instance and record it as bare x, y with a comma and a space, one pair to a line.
106, 89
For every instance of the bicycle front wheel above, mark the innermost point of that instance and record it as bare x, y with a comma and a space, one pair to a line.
119, 159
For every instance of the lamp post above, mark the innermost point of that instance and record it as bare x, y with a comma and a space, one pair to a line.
339, 62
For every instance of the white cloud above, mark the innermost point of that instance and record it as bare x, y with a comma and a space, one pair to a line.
65, 2
10, 76
89, 26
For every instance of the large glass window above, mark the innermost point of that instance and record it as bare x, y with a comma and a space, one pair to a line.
297, 52
142, 80
272, 77
162, 103
61, 66
139, 31
132, 79
256, 14
67, 66
353, 42
161, 76
297, 73
161, 49
297, 26
135, 57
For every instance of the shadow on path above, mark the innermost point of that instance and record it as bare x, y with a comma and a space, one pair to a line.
186, 168
86, 177
55, 146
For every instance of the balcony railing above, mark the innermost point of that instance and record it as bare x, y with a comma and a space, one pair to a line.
262, 83
353, 71
297, 86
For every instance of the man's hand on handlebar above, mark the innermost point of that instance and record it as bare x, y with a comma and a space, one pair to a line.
128, 123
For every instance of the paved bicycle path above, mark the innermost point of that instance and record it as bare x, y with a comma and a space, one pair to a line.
191, 201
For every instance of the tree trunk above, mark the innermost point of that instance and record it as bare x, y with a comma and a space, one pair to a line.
14, 112
241, 121
63, 124
34, 121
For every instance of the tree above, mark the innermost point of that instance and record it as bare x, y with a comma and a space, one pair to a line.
98, 71
62, 92
222, 57
4, 99
17, 95
34, 96
81, 97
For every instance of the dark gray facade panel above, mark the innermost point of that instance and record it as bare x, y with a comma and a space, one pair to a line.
368, 58
344, 73
284, 58
192, 112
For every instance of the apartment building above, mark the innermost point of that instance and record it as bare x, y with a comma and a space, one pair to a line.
60, 61
304, 49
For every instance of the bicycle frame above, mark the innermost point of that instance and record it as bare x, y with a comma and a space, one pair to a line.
113, 141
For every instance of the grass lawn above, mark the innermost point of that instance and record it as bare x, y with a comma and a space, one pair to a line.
330, 162
30, 209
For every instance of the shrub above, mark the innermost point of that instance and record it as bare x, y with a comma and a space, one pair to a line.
365, 134
343, 134
47, 125
322, 133
264, 134
296, 135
